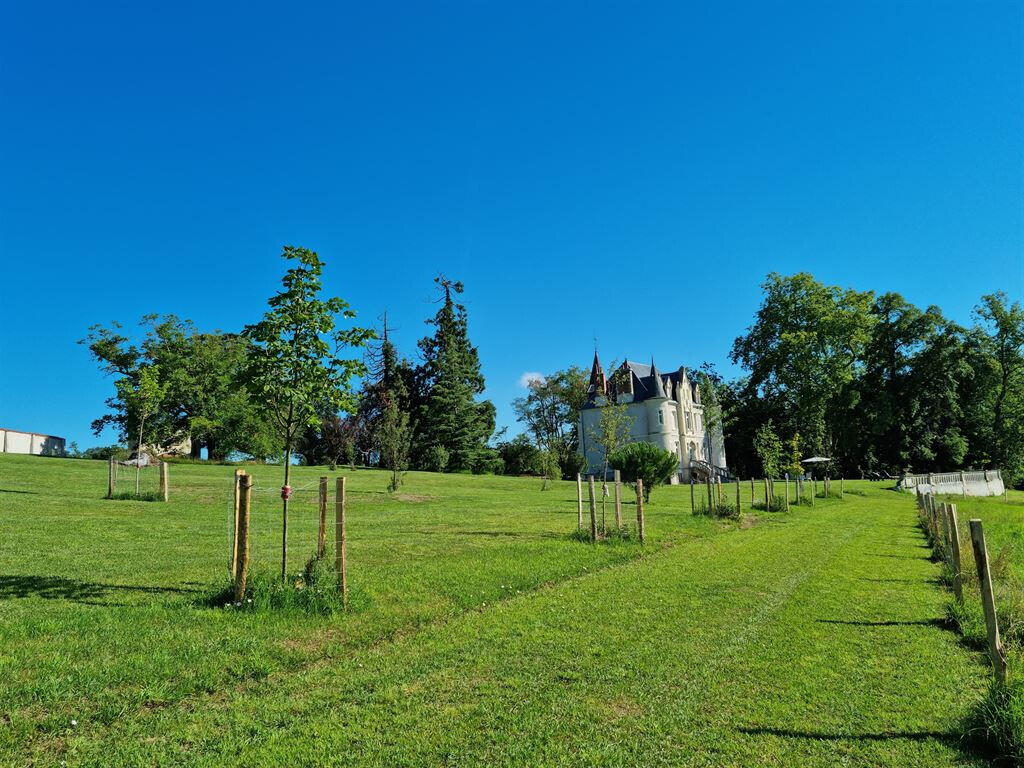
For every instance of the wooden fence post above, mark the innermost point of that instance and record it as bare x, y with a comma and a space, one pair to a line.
988, 602
814, 490
579, 502
739, 503
593, 509
321, 535
339, 538
963, 484
954, 540
640, 508
767, 500
164, 489
618, 499
842, 490
111, 470
693, 500
234, 530
242, 540
711, 503
753, 498
947, 545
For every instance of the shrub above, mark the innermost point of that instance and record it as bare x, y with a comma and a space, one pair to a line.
436, 459
646, 462
488, 463
571, 463
519, 455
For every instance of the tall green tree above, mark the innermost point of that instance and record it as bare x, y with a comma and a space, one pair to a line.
803, 352
551, 414
204, 399
999, 383
295, 366
887, 388
450, 419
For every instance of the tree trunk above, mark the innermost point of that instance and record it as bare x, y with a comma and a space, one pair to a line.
284, 511
138, 456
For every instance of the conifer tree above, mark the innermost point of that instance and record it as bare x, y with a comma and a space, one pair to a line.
450, 418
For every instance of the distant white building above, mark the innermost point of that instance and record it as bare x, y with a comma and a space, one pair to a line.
665, 409
13, 441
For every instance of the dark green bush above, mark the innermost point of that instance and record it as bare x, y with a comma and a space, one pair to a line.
647, 462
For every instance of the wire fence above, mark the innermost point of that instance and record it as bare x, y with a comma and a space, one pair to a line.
130, 481
266, 527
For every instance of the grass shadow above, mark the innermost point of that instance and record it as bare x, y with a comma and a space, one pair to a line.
789, 733
60, 588
940, 622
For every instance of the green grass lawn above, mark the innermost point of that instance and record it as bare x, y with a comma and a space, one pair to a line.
479, 632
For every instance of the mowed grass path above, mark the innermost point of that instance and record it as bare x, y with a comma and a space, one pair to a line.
484, 636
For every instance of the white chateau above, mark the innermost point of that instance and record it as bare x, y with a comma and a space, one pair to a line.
664, 409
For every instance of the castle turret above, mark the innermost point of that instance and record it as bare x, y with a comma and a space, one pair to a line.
598, 384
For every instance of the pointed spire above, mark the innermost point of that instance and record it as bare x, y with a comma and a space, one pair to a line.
659, 385
598, 385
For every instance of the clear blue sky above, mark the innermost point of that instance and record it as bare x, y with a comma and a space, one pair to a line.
630, 171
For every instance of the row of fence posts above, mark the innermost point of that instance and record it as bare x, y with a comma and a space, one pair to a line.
714, 488
165, 485
769, 491
618, 504
239, 556
944, 532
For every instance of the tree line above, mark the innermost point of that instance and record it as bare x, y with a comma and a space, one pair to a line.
872, 381
282, 387
875, 382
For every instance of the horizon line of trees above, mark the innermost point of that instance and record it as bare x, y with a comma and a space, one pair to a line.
868, 379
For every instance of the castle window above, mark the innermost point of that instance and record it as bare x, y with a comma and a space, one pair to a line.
661, 417
689, 422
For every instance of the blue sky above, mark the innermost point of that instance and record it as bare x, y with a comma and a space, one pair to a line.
625, 171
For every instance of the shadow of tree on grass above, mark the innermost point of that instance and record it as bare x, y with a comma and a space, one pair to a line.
60, 588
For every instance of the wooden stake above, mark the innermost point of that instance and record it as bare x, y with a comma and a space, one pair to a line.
988, 601
593, 509
234, 530
767, 500
752, 496
164, 490
321, 536
954, 540
618, 499
242, 542
579, 502
640, 508
711, 504
739, 503
842, 490
110, 477
947, 545
693, 500
339, 538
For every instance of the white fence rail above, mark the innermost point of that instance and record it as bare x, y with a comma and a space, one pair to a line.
986, 482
